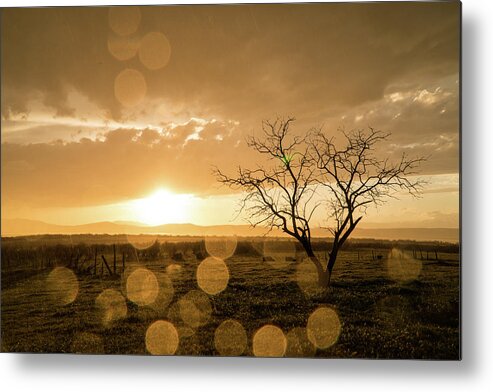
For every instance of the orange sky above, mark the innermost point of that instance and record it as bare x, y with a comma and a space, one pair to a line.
101, 108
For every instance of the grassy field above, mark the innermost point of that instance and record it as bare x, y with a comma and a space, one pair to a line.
384, 312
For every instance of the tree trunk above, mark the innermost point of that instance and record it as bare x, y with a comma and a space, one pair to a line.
337, 244
323, 278
332, 261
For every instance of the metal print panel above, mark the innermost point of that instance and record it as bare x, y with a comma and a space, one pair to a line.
232, 180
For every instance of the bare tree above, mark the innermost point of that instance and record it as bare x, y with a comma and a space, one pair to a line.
286, 194
357, 179
280, 196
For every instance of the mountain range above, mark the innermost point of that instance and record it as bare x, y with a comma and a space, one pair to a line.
20, 227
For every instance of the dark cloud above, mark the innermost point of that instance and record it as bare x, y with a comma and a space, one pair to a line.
240, 62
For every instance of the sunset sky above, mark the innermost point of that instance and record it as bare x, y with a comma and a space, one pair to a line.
118, 114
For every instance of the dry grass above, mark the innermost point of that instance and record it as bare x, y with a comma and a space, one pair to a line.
380, 318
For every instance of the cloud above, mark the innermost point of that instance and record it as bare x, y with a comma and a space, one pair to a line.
124, 164
242, 62
67, 140
32, 132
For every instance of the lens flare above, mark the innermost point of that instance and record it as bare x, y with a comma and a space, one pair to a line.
323, 327
298, 344
142, 287
174, 314
212, 275
130, 87
111, 306
195, 308
124, 20
307, 278
269, 341
221, 247
401, 267
62, 286
230, 338
166, 293
162, 338
154, 51
141, 241
174, 270
279, 254
185, 332
122, 48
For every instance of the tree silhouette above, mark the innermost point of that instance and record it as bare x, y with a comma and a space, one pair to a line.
356, 179
286, 194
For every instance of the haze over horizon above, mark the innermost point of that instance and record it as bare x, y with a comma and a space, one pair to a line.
26, 227
118, 114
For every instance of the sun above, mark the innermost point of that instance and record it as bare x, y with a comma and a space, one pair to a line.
163, 207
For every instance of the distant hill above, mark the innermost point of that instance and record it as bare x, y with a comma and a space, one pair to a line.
19, 227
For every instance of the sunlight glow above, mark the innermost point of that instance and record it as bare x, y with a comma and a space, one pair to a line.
163, 207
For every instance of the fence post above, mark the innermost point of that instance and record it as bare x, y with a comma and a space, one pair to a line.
105, 264
95, 259
114, 259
